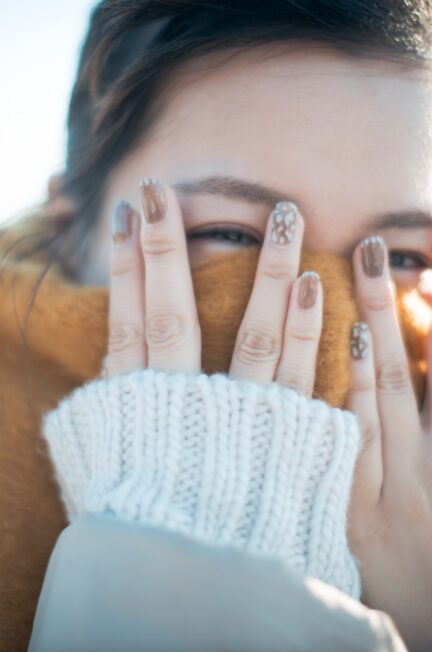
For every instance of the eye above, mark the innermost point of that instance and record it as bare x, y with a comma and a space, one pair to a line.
408, 260
403, 260
233, 236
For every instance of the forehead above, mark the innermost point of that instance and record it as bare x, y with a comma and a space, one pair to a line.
292, 115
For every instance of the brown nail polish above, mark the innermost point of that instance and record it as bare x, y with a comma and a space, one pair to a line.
121, 222
153, 200
359, 340
372, 250
308, 289
284, 222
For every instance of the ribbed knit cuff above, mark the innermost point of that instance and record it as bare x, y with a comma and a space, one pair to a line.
229, 462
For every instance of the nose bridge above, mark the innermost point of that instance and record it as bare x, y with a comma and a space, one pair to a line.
330, 228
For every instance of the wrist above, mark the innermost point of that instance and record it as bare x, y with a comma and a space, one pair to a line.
258, 467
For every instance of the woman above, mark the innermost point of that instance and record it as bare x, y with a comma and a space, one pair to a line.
214, 126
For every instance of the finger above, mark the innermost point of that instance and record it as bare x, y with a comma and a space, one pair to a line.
362, 400
296, 368
172, 327
396, 401
126, 341
259, 341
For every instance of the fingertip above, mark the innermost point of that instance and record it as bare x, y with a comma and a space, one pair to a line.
359, 341
308, 292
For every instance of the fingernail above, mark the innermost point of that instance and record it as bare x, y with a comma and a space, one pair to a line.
359, 340
284, 222
153, 200
121, 222
308, 289
373, 255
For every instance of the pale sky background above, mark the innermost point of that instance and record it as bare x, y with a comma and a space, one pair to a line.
39, 46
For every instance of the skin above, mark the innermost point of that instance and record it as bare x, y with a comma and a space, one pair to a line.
347, 140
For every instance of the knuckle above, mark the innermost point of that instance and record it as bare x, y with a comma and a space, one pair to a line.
378, 302
257, 343
393, 377
308, 335
363, 385
123, 262
166, 329
371, 434
296, 379
278, 271
124, 336
158, 247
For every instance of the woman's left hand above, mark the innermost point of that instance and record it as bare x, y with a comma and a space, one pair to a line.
390, 524
154, 323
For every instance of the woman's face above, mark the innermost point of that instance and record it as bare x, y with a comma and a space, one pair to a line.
349, 140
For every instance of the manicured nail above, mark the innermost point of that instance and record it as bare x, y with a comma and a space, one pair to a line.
121, 222
359, 340
308, 289
153, 200
373, 255
284, 222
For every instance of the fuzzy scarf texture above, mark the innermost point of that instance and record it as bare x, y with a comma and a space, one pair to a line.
54, 342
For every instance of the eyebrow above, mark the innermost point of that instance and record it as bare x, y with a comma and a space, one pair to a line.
256, 193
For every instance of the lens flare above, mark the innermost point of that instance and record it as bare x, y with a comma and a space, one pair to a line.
418, 310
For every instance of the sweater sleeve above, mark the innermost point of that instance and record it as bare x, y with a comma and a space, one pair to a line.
229, 462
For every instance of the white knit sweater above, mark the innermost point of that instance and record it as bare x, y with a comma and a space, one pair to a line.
228, 462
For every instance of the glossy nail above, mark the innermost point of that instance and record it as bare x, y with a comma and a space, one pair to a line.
284, 222
121, 222
308, 289
373, 256
153, 200
359, 340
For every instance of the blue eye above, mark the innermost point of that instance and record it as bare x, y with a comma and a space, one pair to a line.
232, 236
407, 260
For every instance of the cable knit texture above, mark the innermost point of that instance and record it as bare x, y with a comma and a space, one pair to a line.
229, 462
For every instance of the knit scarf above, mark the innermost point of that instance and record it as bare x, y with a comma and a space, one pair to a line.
54, 340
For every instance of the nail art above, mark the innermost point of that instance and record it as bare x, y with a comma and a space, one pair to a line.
372, 250
359, 340
308, 289
284, 222
153, 200
121, 222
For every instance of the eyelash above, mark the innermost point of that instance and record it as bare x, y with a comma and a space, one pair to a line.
218, 231
240, 237
423, 262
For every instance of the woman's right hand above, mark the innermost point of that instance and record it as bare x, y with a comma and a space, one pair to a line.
153, 315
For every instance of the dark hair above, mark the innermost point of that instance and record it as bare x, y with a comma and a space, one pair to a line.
133, 45
131, 49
